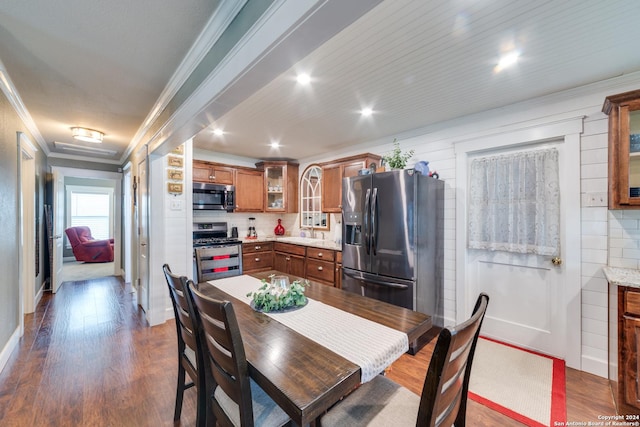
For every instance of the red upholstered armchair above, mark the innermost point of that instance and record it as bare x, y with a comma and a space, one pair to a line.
86, 248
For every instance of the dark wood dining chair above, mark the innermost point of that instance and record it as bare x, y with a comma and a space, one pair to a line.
382, 402
190, 358
236, 399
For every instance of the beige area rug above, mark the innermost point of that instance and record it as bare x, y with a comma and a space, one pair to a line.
74, 271
523, 385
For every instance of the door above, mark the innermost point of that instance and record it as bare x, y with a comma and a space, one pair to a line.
143, 235
356, 203
392, 224
58, 229
529, 292
126, 215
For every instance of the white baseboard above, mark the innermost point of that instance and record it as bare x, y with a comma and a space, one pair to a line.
8, 349
39, 294
595, 366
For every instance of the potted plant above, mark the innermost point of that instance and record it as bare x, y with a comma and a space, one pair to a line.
397, 159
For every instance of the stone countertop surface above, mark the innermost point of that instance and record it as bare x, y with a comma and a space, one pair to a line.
622, 276
304, 241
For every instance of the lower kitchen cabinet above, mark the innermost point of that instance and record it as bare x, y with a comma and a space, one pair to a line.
289, 258
257, 256
624, 354
338, 279
321, 265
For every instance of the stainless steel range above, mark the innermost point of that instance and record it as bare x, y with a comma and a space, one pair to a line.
214, 254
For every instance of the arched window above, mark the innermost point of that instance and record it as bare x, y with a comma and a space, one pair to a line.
311, 214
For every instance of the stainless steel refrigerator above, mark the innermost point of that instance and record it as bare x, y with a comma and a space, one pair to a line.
392, 242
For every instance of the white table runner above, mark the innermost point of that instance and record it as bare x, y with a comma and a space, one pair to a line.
368, 344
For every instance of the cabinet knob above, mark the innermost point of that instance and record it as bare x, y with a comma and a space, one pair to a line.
320, 268
319, 254
257, 259
258, 248
287, 259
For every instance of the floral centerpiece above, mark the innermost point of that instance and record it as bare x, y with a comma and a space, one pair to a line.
278, 295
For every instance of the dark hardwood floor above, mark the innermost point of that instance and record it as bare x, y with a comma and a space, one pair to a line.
88, 358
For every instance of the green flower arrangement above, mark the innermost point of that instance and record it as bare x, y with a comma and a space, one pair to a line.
397, 159
271, 297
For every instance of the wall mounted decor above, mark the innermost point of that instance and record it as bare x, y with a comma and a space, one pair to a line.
174, 161
174, 188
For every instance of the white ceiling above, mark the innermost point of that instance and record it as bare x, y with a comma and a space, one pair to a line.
416, 63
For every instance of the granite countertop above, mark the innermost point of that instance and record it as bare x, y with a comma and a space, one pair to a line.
622, 276
304, 241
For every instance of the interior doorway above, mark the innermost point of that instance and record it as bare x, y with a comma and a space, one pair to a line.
82, 180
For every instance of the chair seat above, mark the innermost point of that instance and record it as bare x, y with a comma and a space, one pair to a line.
380, 402
265, 411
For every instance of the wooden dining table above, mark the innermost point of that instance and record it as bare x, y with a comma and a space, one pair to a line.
299, 374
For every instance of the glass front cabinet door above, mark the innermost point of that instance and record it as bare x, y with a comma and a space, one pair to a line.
280, 186
624, 149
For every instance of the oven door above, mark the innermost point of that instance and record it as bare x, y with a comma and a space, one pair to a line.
216, 262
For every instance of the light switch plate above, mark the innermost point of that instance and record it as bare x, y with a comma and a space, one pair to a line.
175, 205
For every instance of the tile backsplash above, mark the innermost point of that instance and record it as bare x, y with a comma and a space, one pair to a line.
624, 238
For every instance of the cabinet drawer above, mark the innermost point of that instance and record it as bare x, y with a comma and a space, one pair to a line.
632, 303
289, 248
257, 261
339, 257
320, 270
324, 254
248, 248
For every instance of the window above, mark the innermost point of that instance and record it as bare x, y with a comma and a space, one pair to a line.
91, 207
311, 214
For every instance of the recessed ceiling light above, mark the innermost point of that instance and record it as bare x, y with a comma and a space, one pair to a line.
275, 144
303, 79
507, 61
366, 112
218, 132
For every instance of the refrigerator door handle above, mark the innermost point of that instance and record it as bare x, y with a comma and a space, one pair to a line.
374, 221
365, 220
370, 279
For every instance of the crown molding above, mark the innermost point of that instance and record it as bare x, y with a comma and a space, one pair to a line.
14, 99
215, 27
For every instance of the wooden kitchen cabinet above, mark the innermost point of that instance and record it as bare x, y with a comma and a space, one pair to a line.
334, 171
249, 190
321, 265
280, 186
624, 342
338, 279
212, 173
624, 149
289, 258
257, 256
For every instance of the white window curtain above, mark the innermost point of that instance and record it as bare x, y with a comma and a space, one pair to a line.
514, 203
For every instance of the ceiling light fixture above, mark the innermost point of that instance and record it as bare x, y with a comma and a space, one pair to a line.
507, 61
303, 79
366, 112
218, 132
275, 144
87, 135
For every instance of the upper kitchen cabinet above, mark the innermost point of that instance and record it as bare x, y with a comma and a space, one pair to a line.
211, 172
280, 186
334, 171
249, 190
624, 149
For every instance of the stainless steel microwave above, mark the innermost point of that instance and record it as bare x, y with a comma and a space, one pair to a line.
213, 197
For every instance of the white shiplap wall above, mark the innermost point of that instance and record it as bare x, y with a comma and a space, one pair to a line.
594, 229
